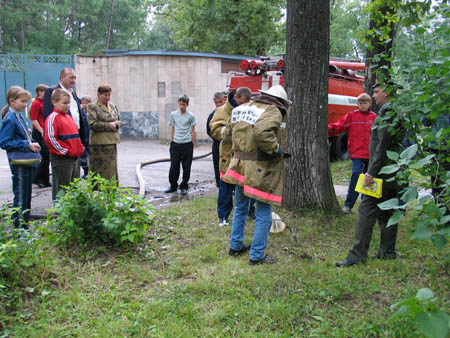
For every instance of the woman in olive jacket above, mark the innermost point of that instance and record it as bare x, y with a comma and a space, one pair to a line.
104, 122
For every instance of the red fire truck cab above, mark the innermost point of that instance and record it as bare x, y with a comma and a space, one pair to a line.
344, 86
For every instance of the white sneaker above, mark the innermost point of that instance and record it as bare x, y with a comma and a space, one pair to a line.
223, 222
346, 210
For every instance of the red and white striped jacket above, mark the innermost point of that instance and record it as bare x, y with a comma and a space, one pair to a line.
61, 135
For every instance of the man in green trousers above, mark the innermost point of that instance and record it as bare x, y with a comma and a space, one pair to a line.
381, 140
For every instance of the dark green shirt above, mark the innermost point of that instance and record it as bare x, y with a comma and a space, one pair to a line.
381, 140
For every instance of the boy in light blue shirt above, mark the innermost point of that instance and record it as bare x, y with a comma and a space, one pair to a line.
183, 124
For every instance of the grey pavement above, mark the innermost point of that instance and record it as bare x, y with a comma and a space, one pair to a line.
130, 153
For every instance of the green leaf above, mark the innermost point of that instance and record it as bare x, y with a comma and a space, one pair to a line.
409, 152
390, 204
439, 241
390, 169
424, 294
410, 195
422, 232
445, 220
422, 162
392, 155
431, 208
395, 218
402, 311
433, 324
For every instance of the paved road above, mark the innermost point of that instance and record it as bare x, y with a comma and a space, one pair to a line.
130, 153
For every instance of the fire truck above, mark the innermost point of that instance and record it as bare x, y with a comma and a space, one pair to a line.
344, 86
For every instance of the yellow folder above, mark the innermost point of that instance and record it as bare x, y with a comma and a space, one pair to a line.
374, 190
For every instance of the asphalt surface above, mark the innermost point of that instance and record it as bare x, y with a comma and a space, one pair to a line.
130, 153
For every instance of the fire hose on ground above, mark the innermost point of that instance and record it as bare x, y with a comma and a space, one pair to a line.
277, 224
144, 163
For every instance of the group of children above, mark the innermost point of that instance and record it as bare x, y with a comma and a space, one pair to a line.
58, 132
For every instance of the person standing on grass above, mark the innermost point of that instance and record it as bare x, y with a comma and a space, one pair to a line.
42, 174
182, 143
63, 141
15, 137
219, 100
221, 130
258, 134
381, 141
357, 124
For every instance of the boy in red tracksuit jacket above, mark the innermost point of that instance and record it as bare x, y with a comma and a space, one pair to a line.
357, 123
63, 141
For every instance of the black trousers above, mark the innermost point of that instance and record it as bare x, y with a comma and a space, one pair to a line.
215, 156
180, 153
41, 174
368, 214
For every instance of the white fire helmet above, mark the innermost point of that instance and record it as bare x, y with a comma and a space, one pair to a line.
278, 92
277, 224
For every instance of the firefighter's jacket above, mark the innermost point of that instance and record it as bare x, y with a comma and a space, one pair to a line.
258, 131
221, 131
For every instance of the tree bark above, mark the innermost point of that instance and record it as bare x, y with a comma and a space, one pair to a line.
22, 35
111, 13
379, 55
308, 180
2, 25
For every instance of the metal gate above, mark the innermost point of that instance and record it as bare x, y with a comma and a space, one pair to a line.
29, 70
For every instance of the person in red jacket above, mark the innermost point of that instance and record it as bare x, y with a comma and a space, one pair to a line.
357, 123
42, 174
63, 141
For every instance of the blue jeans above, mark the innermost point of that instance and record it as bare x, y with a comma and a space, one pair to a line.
22, 177
359, 166
262, 224
225, 199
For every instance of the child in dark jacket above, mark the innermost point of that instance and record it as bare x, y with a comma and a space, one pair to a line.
357, 123
63, 141
15, 137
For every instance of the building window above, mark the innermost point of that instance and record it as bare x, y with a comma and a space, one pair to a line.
161, 89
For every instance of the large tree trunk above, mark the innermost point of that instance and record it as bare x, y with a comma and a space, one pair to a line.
379, 55
307, 175
2, 25
111, 15
22, 36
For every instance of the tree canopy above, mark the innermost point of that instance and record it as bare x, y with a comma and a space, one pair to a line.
71, 26
90, 26
239, 27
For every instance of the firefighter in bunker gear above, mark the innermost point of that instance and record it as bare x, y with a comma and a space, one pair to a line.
258, 137
221, 130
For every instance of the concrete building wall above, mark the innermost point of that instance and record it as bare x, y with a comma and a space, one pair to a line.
146, 88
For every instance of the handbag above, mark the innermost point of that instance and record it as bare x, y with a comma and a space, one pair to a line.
17, 157
375, 190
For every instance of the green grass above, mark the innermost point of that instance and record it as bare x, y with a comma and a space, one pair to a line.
341, 172
182, 283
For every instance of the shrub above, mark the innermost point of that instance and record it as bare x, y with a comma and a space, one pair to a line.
24, 264
431, 321
99, 211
